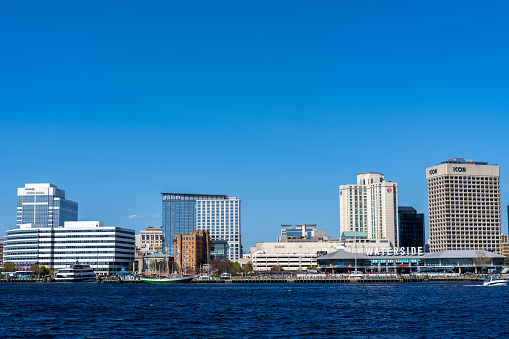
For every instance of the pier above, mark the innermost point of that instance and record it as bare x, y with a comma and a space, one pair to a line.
286, 280
343, 279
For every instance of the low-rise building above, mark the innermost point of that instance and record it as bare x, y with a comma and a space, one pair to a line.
296, 249
107, 249
411, 259
152, 237
218, 249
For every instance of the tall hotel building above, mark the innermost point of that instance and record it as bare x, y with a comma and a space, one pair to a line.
218, 214
464, 206
370, 206
45, 205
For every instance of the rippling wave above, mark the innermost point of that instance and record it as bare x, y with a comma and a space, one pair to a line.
385, 310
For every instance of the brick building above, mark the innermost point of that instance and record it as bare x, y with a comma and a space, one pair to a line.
191, 251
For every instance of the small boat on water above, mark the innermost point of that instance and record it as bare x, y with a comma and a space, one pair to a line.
495, 282
225, 276
356, 275
167, 280
75, 273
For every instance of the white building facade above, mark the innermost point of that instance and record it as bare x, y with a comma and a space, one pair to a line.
370, 206
222, 219
291, 256
464, 206
107, 249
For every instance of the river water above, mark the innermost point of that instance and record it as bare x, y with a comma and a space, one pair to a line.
382, 310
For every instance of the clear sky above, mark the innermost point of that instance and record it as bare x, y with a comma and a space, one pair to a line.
276, 103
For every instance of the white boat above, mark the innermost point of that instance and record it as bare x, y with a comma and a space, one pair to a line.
206, 277
76, 273
356, 275
495, 282
225, 276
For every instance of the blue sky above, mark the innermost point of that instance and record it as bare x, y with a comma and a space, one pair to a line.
275, 103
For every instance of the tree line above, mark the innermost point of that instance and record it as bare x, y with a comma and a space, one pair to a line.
39, 270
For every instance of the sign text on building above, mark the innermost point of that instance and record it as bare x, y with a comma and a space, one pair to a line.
394, 251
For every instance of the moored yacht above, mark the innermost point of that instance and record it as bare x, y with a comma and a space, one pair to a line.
76, 273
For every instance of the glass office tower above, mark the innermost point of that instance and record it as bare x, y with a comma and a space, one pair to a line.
45, 205
411, 227
218, 214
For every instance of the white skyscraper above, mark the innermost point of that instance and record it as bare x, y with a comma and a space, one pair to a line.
370, 206
464, 206
222, 219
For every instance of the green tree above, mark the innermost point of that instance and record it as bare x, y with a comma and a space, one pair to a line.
481, 259
9, 267
224, 266
247, 268
37, 270
276, 268
237, 267
506, 261
45, 271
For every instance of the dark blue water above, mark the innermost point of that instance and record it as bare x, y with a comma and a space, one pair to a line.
397, 310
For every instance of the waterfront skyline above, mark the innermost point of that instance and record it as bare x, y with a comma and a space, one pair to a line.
277, 104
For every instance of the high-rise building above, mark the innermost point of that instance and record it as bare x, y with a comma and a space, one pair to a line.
218, 214
411, 227
105, 248
192, 251
44, 205
370, 206
464, 206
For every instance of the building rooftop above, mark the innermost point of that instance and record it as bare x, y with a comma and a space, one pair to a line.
354, 234
445, 254
193, 194
463, 161
450, 254
406, 209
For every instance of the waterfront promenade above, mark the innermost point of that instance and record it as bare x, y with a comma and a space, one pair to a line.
373, 278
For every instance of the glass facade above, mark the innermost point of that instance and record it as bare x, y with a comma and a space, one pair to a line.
218, 214
45, 205
411, 227
218, 249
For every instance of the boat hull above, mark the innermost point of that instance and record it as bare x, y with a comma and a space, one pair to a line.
75, 279
180, 280
496, 282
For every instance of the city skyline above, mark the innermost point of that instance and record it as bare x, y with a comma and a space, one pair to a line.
277, 104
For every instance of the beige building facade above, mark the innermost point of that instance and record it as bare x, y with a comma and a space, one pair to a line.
151, 237
464, 206
370, 206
